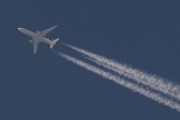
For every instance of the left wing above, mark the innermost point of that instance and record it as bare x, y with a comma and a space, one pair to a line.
35, 47
44, 32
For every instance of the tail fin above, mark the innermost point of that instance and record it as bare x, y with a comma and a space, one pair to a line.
53, 42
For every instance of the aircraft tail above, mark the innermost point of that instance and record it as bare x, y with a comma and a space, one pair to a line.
53, 42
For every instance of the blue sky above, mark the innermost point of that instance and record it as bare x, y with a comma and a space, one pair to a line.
143, 34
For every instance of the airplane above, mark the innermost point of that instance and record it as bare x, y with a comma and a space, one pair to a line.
39, 37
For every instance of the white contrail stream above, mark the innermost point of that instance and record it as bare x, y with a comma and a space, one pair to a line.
137, 79
150, 94
152, 81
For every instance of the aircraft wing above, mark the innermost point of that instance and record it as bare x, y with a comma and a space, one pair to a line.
44, 32
35, 47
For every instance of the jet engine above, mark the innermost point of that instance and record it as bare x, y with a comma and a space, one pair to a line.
31, 41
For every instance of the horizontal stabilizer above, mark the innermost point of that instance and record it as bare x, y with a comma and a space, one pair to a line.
53, 42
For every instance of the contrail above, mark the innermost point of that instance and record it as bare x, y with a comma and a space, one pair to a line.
152, 81
137, 79
150, 94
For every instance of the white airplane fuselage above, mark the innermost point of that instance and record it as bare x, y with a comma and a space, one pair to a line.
36, 37
39, 37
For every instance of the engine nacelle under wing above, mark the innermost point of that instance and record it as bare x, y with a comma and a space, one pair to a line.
31, 41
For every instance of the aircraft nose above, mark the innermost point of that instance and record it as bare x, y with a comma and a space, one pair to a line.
21, 29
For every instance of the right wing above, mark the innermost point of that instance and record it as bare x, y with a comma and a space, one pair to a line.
44, 32
35, 47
